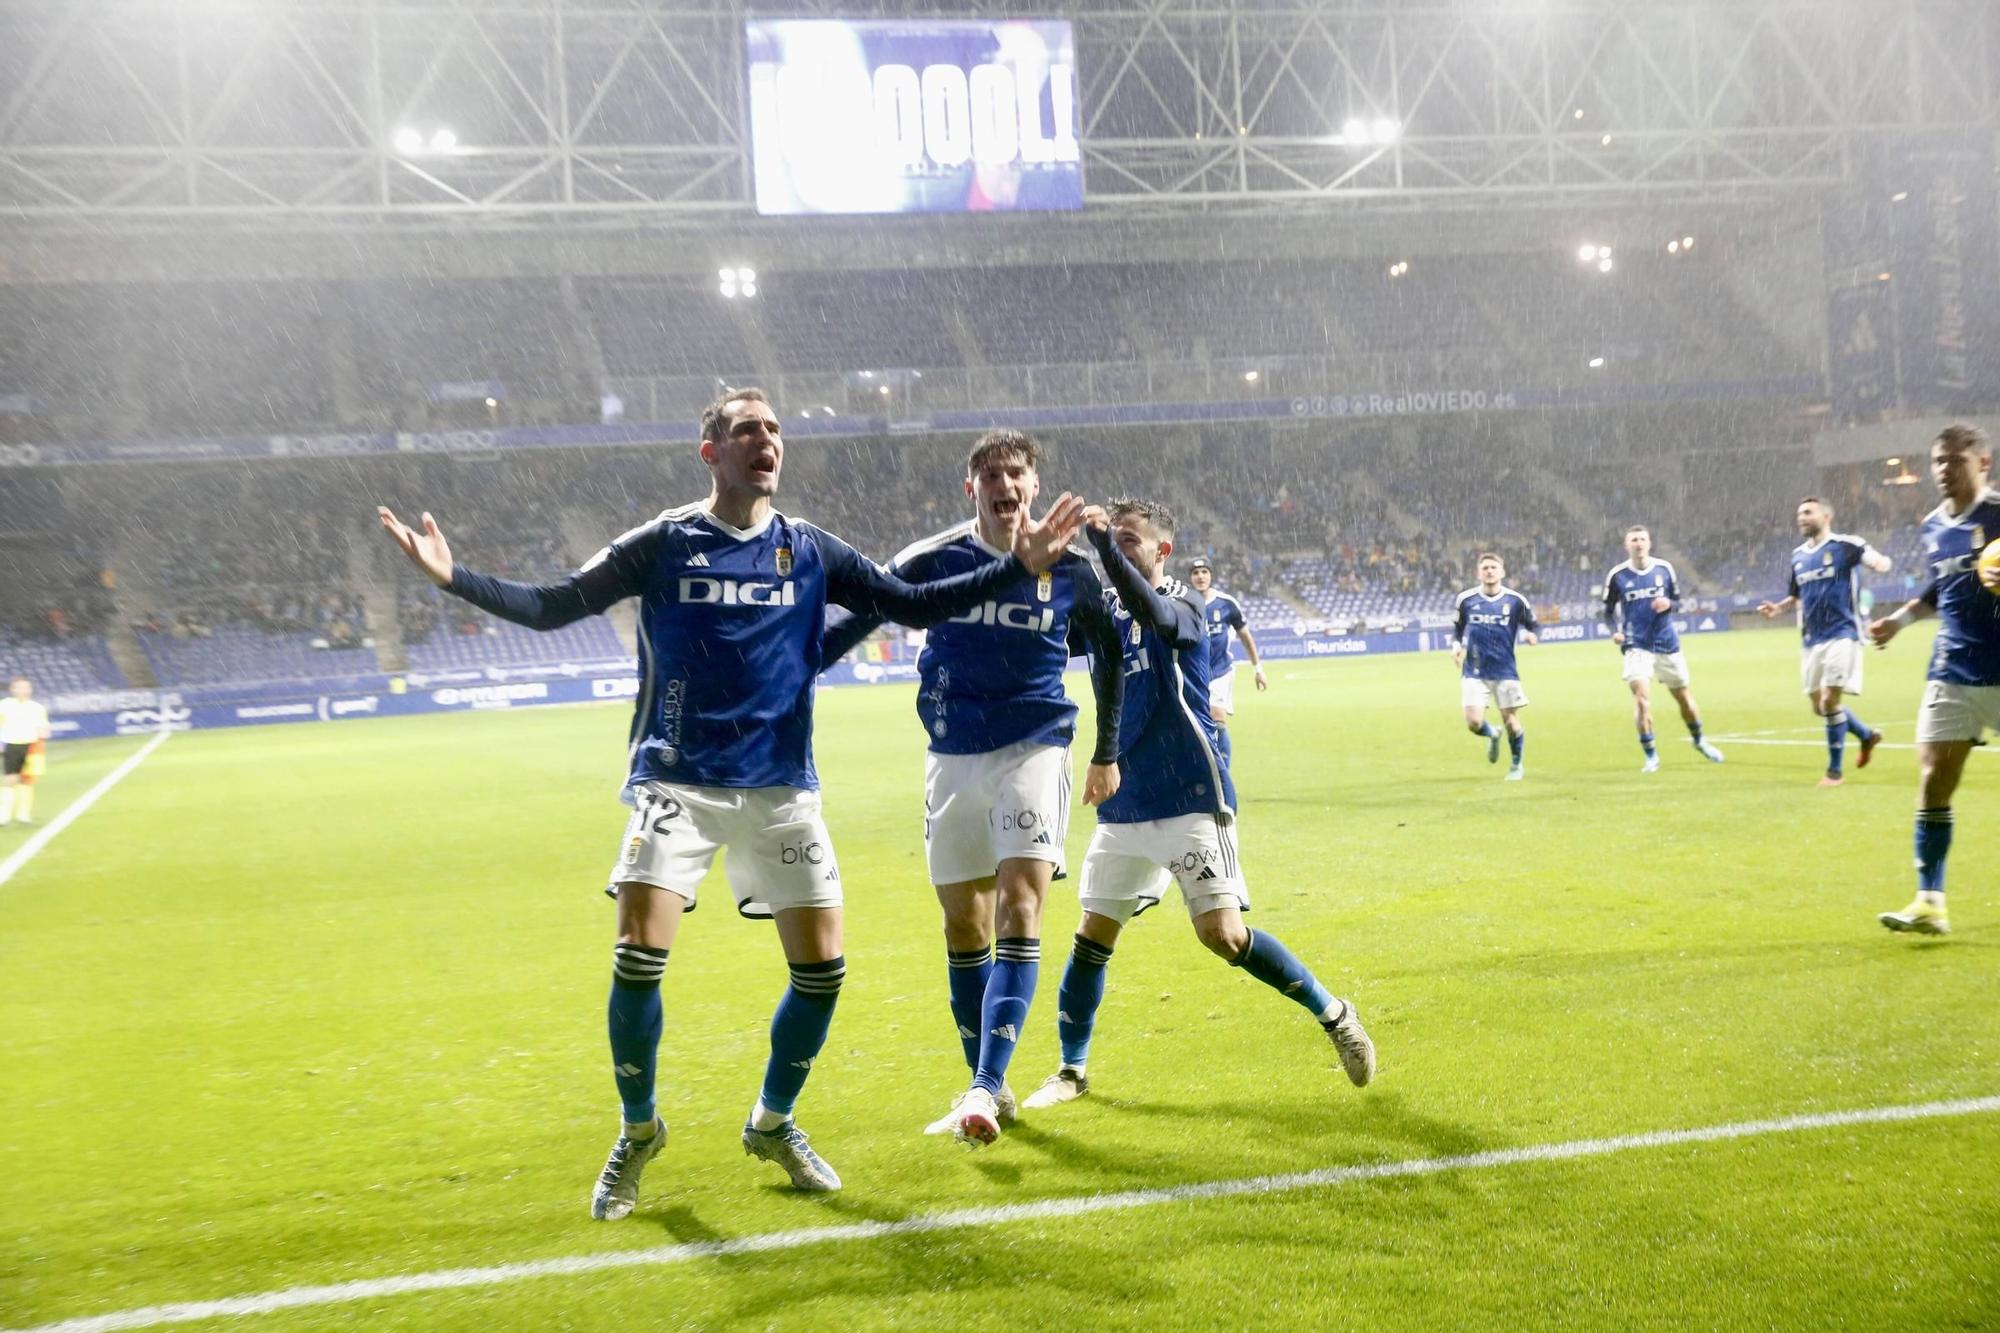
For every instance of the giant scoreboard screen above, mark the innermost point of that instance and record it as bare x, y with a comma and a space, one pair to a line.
913, 116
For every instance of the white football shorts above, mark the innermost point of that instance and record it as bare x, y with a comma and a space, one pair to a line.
1837, 663
1129, 866
1222, 691
1476, 693
982, 809
1670, 669
779, 853
1957, 712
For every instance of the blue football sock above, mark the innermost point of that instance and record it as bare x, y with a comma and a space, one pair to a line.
1273, 964
1862, 731
1933, 845
969, 970
635, 1022
1017, 966
1836, 739
1082, 990
1517, 741
1694, 730
1646, 743
1489, 731
798, 1030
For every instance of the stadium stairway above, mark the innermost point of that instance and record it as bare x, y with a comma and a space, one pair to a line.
122, 642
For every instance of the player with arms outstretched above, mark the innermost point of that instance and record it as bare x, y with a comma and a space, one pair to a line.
1173, 820
997, 777
733, 598
1640, 597
1491, 618
1962, 699
24, 731
1225, 616
1826, 588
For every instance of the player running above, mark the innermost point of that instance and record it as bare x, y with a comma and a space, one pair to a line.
1225, 613
1962, 700
1491, 617
1826, 587
997, 778
1640, 596
24, 731
1174, 817
733, 596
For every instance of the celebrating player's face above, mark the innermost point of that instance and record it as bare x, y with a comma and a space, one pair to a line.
1639, 544
1004, 488
750, 454
1491, 572
1140, 541
1959, 473
1813, 519
1201, 578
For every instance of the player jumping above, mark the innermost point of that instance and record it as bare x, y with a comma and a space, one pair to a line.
733, 596
1490, 618
1225, 614
1174, 817
24, 729
1640, 596
1826, 587
1962, 700
997, 779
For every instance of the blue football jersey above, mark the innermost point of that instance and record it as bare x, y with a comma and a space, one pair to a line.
1488, 627
1225, 617
1826, 578
992, 676
1168, 760
730, 626
1628, 605
1967, 650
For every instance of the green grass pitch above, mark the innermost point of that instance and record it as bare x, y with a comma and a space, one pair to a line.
304, 1005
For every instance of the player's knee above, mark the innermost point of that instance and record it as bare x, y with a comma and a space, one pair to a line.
1223, 934
820, 981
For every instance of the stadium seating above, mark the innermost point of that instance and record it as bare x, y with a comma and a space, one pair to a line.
58, 666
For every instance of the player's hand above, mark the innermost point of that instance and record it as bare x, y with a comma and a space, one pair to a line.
1457, 655
1661, 606
1097, 518
1989, 577
1100, 783
427, 550
1530, 639
1619, 638
1257, 674
1040, 545
1881, 631
1767, 609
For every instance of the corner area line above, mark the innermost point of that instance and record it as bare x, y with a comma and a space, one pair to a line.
293, 1298
46, 834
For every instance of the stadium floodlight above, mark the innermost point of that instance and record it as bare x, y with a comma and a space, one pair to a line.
1399, 268
1597, 363
737, 281
1604, 264
1588, 254
1387, 131
444, 139
1605, 141
749, 289
1673, 247
1687, 242
1883, 277
493, 402
1899, 196
1579, 113
884, 391
408, 142
1354, 131
1250, 377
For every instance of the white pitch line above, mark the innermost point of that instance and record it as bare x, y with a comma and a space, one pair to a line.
293, 1298
44, 835
1758, 740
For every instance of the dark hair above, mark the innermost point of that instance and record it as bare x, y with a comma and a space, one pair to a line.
1638, 527
995, 445
1962, 437
1155, 513
715, 418
1484, 556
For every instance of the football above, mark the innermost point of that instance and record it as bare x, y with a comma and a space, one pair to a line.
1988, 567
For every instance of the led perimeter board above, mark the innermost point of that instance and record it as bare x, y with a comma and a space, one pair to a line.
916, 116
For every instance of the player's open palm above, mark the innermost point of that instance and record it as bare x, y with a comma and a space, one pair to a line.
1040, 545
427, 549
